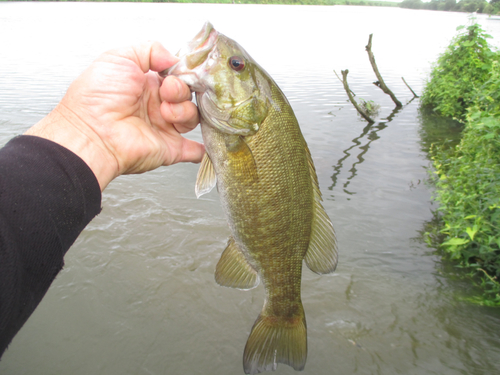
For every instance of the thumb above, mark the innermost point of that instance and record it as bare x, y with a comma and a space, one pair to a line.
191, 151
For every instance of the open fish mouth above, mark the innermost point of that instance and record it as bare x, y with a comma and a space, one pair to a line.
195, 53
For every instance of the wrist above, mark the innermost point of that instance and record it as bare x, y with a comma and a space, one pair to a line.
64, 127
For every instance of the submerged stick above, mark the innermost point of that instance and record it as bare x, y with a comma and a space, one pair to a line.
381, 82
353, 94
407, 85
351, 97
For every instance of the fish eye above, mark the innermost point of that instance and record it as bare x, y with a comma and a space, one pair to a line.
237, 63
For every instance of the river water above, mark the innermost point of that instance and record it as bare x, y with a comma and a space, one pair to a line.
137, 295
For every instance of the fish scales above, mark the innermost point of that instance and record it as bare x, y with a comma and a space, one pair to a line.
270, 218
259, 160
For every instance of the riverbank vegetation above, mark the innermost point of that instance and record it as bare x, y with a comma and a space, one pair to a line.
291, 2
284, 2
469, 6
465, 84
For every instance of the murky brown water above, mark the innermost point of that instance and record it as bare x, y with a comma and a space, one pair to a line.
137, 295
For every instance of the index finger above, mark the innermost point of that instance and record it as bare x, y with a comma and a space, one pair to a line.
148, 56
173, 90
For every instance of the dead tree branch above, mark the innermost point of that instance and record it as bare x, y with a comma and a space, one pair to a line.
353, 94
407, 85
351, 97
381, 82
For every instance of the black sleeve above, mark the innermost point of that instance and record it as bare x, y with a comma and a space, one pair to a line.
47, 197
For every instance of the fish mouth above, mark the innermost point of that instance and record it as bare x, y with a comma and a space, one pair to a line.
195, 53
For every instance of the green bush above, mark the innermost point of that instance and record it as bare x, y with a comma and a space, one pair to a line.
458, 73
468, 190
468, 175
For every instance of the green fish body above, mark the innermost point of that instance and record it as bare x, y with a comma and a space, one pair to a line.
259, 160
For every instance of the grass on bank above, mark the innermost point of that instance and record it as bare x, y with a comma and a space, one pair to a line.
465, 84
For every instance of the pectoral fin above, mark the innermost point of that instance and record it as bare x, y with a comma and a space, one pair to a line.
242, 156
233, 270
206, 179
322, 254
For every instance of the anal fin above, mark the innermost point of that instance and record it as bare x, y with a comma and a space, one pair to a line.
233, 270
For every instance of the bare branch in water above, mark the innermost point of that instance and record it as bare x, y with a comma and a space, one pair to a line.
407, 85
351, 97
380, 83
340, 79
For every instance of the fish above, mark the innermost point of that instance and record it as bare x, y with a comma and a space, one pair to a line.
258, 158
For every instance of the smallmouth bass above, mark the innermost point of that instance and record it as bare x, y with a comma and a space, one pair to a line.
264, 172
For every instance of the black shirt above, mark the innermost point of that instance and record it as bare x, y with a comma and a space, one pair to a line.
47, 197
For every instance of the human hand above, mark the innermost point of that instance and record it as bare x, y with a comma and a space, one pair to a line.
120, 117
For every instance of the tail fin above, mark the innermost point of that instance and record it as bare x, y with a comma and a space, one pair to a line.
276, 340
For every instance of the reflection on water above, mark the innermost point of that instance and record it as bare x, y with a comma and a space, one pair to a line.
370, 131
438, 130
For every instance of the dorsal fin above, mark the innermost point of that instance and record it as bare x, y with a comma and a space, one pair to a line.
322, 254
206, 179
233, 270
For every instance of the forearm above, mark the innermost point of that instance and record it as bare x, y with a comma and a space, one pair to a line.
47, 196
65, 128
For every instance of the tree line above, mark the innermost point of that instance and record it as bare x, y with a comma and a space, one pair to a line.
479, 6
285, 2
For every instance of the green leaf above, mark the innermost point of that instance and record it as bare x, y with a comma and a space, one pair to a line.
472, 231
456, 241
